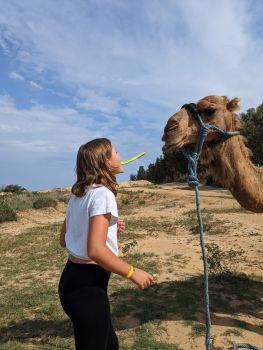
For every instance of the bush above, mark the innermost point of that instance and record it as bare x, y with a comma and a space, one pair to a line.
253, 129
215, 258
44, 202
6, 212
63, 197
20, 201
29, 200
14, 188
220, 262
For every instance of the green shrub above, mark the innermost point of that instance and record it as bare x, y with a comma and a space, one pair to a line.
222, 262
44, 202
20, 201
125, 201
62, 196
29, 200
14, 188
128, 246
211, 224
215, 257
6, 212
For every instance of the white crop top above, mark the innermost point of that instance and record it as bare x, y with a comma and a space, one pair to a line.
96, 200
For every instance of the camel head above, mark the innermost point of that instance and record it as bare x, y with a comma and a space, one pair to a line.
182, 129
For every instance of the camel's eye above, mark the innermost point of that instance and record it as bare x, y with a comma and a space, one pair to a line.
209, 112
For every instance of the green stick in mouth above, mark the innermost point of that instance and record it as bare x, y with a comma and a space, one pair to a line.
124, 162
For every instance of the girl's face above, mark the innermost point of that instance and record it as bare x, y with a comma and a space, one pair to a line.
115, 162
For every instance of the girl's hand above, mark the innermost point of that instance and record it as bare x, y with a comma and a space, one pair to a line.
142, 278
120, 227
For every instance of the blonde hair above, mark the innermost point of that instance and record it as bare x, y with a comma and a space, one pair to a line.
91, 166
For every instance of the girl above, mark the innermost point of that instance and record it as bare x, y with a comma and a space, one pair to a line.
89, 233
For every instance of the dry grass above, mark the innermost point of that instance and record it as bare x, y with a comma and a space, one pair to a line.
31, 263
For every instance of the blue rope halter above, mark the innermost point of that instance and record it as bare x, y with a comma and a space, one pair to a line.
193, 158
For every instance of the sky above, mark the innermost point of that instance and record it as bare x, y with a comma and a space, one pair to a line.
72, 71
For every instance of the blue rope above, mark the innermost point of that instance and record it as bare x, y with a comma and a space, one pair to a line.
193, 182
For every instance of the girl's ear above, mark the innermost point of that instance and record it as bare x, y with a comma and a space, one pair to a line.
233, 105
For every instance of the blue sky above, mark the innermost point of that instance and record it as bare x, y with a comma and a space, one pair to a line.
71, 71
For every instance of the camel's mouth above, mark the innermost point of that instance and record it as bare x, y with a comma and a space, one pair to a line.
172, 147
169, 148
172, 137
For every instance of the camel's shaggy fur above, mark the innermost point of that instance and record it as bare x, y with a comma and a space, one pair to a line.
229, 160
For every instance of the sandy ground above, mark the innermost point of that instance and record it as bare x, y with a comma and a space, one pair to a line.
245, 232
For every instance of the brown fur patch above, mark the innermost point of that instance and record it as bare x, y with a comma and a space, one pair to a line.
215, 102
233, 105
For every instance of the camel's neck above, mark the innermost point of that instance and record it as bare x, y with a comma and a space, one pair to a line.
232, 168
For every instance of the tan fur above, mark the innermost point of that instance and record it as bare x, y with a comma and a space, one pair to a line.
229, 160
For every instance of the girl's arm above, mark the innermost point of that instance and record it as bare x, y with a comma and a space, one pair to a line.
97, 248
102, 255
62, 241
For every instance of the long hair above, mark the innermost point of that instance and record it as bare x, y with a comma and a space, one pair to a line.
91, 166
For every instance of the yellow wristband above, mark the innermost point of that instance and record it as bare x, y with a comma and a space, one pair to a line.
130, 273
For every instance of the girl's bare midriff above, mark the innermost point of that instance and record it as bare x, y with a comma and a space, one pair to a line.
80, 261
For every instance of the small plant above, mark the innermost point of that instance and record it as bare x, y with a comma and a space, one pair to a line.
198, 329
62, 197
128, 246
44, 202
214, 258
153, 186
211, 224
151, 225
14, 188
7, 213
222, 263
233, 331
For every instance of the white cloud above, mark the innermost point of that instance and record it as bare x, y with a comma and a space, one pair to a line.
90, 100
40, 129
133, 63
14, 75
41, 134
35, 85
163, 54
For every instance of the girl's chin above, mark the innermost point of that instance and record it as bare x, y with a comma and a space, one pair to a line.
118, 172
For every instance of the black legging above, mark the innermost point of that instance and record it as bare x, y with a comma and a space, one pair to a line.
83, 296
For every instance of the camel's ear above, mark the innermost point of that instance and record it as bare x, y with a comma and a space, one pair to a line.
233, 105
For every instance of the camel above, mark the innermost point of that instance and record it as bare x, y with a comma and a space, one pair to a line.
228, 159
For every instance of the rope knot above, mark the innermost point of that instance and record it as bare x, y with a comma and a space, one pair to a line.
193, 181
194, 157
204, 131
